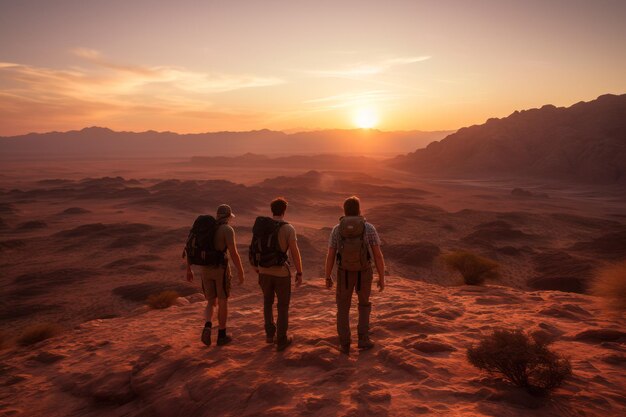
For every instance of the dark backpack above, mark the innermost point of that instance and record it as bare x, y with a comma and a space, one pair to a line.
352, 250
200, 246
265, 249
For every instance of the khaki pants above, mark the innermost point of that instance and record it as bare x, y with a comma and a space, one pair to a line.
347, 282
281, 287
215, 281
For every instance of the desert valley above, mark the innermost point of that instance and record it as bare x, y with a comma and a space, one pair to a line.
87, 239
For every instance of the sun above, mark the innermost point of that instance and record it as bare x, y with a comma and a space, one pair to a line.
365, 118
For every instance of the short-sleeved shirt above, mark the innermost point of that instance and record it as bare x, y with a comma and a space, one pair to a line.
286, 235
371, 236
224, 237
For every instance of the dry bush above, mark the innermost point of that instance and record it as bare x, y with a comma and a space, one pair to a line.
37, 333
525, 361
162, 300
475, 269
610, 284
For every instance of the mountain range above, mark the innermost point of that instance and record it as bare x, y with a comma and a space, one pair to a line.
584, 143
98, 141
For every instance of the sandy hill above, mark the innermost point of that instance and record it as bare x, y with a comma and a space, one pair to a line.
152, 362
585, 142
98, 142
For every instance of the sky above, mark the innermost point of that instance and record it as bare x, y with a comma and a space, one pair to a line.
199, 66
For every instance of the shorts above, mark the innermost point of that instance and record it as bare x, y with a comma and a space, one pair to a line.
215, 281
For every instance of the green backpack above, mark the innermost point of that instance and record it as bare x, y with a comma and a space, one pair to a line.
352, 251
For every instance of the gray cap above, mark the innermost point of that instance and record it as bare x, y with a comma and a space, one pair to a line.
224, 211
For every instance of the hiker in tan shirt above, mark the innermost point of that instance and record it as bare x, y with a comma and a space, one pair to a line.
216, 278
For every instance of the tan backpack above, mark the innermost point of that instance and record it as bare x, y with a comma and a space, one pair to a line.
352, 250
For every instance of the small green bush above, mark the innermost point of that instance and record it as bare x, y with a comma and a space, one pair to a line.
162, 300
522, 360
610, 284
37, 333
473, 268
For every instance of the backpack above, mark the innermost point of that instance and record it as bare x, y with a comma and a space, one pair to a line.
352, 251
265, 249
200, 246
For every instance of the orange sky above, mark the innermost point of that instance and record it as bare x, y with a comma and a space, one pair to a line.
195, 66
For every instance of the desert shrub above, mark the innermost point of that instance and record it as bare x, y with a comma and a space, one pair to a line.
162, 300
610, 284
475, 269
524, 361
37, 333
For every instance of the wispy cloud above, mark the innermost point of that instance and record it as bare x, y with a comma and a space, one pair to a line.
180, 77
364, 69
354, 98
101, 88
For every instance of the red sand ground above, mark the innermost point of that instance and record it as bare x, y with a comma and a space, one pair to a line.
153, 364
90, 272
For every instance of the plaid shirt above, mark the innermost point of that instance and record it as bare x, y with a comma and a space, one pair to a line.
371, 236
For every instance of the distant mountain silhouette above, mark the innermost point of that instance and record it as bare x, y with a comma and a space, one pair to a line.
585, 142
97, 141
312, 161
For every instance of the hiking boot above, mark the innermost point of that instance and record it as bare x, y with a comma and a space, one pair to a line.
270, 340
365, 342
282, 345
345, 348
224, 340
206, 335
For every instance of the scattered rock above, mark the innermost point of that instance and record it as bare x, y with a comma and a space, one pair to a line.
402, 359
488, 233
320, 357
132, 261
611, 246
141, 291
31, 225
75, 210
615, 359
520, 192
196, 298
444, 313
48, 357
430, 346
601, 335
420, 254
560, 271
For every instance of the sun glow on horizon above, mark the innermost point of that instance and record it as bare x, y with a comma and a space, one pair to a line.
365, 118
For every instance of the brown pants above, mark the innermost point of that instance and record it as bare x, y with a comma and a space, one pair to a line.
281, 287
346, 284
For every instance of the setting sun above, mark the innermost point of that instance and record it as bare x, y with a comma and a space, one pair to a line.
365, 118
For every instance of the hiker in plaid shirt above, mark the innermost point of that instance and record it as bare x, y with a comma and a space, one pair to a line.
354, 243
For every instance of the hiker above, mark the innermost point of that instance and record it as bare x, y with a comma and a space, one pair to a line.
206, 250
354, 242
272, 238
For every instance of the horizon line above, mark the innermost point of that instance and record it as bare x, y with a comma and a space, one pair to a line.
287, 132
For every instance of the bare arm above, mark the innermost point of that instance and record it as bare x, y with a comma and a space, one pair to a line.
330, 263
297, 259
379, 260
234, 254
189, 271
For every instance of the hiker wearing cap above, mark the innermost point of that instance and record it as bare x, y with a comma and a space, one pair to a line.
353, 243
272, 239
210, 243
